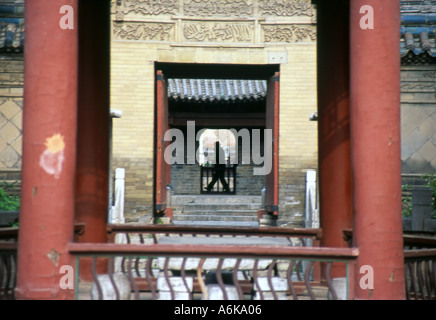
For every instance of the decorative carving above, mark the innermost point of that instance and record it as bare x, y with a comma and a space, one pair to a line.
286, 8
418, 86
218, 8
150, 7
143, 31
13, 79
429, 74
227, 32
289, 33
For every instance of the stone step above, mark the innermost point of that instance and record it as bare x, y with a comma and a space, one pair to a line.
215, 206
209, 199
253, 224
194, 218
217, 212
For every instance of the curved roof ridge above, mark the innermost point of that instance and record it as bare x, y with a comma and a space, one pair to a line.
236, 90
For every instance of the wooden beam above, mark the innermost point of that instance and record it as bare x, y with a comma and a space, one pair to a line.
218, 119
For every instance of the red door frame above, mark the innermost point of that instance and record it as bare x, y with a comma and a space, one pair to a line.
272, 123
163, 169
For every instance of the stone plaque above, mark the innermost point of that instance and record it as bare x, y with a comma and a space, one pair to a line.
149, 7
143, 31
229, 32
286, 8
289, 33
222, 8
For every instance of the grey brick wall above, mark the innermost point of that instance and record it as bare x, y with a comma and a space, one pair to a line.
418, 119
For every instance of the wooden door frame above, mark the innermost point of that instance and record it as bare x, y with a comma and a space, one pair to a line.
162, 170
271, 205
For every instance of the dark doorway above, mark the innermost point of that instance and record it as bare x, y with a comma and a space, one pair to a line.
243, 98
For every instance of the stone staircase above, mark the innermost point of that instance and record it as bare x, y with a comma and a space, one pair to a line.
216, 210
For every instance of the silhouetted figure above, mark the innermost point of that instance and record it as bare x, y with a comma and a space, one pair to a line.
220, 169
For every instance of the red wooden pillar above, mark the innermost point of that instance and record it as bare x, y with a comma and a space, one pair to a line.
376, 144
93, 136
49, 151
163, 169
334, 124
93, 119
272, 123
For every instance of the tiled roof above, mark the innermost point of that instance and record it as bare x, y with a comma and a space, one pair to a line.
216, 90
11, 35
418, 30
11, 26
418, 6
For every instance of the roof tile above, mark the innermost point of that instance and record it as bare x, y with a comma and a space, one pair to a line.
214, 90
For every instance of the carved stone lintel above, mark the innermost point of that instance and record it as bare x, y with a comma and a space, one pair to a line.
219, 8
286, 8
420, 86
12, 80
226, 8
429, 74
215, 31
143, 31
149, 7
289, 33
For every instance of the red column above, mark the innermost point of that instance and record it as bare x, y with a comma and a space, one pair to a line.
93, 136
334, 124
49, 151
376, 144
93, 149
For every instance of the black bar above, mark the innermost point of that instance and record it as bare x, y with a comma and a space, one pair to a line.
207, 172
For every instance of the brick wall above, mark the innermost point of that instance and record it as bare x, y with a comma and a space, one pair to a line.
418, 119
253, 32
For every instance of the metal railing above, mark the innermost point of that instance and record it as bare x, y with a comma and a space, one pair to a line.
206, 176
163, 271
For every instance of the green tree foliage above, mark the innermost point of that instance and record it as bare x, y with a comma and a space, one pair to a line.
9, 202
430, 180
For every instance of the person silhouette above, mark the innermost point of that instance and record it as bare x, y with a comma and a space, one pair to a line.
219, 169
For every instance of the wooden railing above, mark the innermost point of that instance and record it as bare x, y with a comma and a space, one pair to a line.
419, 264
133, 233
11, 234
410, 240
420, 269
187, 253
158, 270
155, 229
169, 271
8, 259
8, 270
